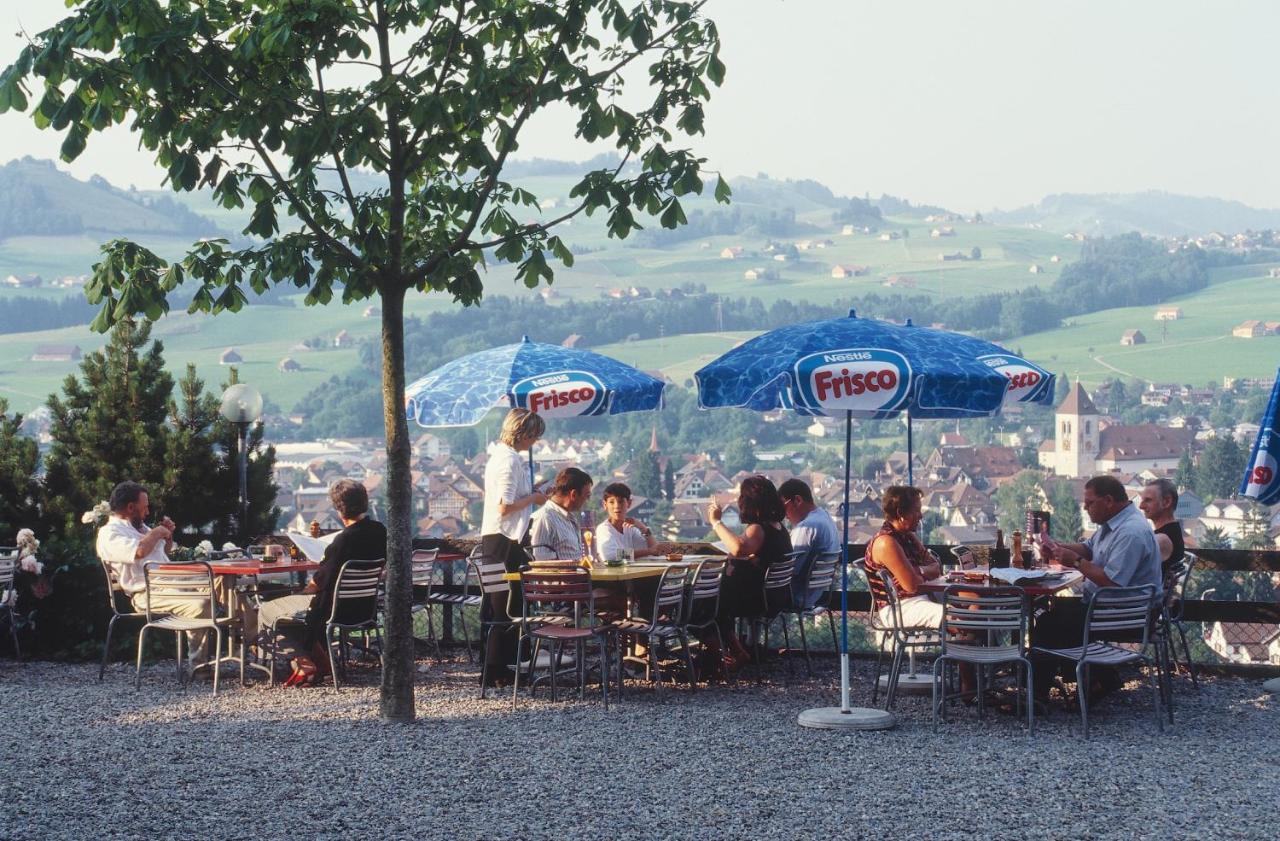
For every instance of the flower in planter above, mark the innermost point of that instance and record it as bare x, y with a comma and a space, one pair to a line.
203, 549
98, 515
27, 547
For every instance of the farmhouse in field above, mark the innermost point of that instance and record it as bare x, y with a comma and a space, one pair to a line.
56, 353
1250, 329
343, 339
731, 252
1036, 268
289, 365
944, 231
1132, 337
840, 272
24, 281
373, 311
1168, 313
1274, 272
230, 356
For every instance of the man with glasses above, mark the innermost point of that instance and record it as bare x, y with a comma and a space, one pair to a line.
1120, 553
813, 531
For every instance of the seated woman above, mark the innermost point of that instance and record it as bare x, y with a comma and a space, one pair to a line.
898, 549
620, 532
361, 539
763, 542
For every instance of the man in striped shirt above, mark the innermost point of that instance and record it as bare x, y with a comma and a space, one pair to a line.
555, 533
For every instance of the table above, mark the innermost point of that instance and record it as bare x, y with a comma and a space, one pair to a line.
1067, 578
636, 571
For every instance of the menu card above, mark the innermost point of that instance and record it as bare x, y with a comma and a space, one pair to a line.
312, 547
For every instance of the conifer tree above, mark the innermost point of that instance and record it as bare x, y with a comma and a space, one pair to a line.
19, 490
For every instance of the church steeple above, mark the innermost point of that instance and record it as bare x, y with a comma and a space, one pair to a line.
653, 441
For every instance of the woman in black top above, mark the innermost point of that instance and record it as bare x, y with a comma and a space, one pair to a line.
763, 543
1158, 501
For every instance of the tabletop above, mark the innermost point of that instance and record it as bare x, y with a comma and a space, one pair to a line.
640, 569
252, 566
1057, 582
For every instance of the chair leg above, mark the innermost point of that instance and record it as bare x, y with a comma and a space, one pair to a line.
688, 662
137, 675
1155, 696
804, 645
604, 671
106, 648
875, 680
895, 668
217, 657
334, 665
1031, 704
515, 683
1186, 650
939, 691
1082, 693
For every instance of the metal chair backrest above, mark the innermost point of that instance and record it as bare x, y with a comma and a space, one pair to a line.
997, 615
669, 600
879, 593
1176, 588
704, 589
1115, 609
548, 590
424, 566
185, 582
822, 575
355, 593
778, 576
8, 567
113, 583
891, 598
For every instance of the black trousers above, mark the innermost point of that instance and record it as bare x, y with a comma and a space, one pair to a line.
500, 645
1062, 626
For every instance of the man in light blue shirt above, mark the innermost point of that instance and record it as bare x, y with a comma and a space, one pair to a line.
1122, 552
812, 531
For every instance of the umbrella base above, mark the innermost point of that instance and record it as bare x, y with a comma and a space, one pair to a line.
919, 684
1272, 686
858, 718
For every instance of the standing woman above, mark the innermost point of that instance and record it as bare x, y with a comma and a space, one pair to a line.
763, 543
508, 499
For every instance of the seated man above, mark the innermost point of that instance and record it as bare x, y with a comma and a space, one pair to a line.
361, 539
1120, 553
1159, 499
127, 544
555, 533
813, 531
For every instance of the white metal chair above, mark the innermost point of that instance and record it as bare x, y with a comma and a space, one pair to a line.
665, 623
822, 576
702, 601
9, 594
191, 582
907, 640
427, 574
355, 608
776, 595
982, 626
1111, 611
113, 586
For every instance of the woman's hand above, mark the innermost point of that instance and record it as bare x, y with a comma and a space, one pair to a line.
714, 513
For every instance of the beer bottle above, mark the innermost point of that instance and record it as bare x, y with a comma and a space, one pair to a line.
999, 555
1017, 550
294, 553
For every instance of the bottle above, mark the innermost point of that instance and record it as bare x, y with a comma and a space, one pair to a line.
1017, 550
294, 554
999, 555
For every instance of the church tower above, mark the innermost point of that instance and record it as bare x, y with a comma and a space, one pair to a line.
1075, 434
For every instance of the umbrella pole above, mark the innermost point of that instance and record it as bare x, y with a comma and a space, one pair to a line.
845, 717
844, 570
911, 479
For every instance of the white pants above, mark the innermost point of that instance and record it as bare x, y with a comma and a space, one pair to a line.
917, 612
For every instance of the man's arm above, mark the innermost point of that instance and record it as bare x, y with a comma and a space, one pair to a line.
150, 539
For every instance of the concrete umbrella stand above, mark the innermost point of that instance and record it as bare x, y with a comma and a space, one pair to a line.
1272, 686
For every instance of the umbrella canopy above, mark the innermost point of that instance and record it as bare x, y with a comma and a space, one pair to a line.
873, 369
1262, 476
553, 381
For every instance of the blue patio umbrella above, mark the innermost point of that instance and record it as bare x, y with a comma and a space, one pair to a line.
1262, 475
872, 369
550, 380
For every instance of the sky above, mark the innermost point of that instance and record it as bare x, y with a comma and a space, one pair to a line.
973, 106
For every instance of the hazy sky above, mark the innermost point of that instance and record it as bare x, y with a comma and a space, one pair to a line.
969, 105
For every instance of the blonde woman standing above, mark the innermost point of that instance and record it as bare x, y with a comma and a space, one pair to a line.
509, 497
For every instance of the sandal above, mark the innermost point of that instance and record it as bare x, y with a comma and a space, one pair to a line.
304, 673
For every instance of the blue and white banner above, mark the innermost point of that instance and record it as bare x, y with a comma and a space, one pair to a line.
1261, 476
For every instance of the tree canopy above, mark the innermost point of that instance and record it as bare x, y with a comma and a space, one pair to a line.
279, 104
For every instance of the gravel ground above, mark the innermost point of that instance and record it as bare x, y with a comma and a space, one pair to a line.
87, 760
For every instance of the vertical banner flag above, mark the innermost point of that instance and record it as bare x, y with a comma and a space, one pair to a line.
1262, 478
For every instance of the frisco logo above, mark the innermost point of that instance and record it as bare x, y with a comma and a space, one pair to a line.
864, 380
564, 394
1025, 379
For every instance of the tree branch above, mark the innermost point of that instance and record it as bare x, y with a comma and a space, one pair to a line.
444, 71
337, 159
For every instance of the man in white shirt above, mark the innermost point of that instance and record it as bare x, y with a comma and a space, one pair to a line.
127, 544
813, 531
555, 533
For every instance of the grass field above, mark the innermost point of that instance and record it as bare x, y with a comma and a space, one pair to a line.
1196, 349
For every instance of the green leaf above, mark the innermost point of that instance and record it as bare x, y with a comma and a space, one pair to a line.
73, 145
715, 70
722, 190
561, 251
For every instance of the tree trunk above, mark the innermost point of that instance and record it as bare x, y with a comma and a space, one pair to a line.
396, 702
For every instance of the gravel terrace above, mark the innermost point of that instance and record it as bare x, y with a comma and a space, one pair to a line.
86, 760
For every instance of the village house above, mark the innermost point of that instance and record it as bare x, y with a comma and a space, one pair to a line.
1036, 268
24, 281
840, 272
56, 353
288, 365
1251, 329
731, 252
1132, 337
230, 356
944, 231
372, 311
343, 339
1244, 643
1168, 313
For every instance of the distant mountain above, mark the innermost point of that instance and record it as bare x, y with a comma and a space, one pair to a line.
38, 199
1154, 213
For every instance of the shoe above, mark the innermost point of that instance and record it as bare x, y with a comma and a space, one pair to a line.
304, 673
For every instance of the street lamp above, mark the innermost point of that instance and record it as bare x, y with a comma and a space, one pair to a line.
242, 406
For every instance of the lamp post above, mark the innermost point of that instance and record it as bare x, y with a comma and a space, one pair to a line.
242, 406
